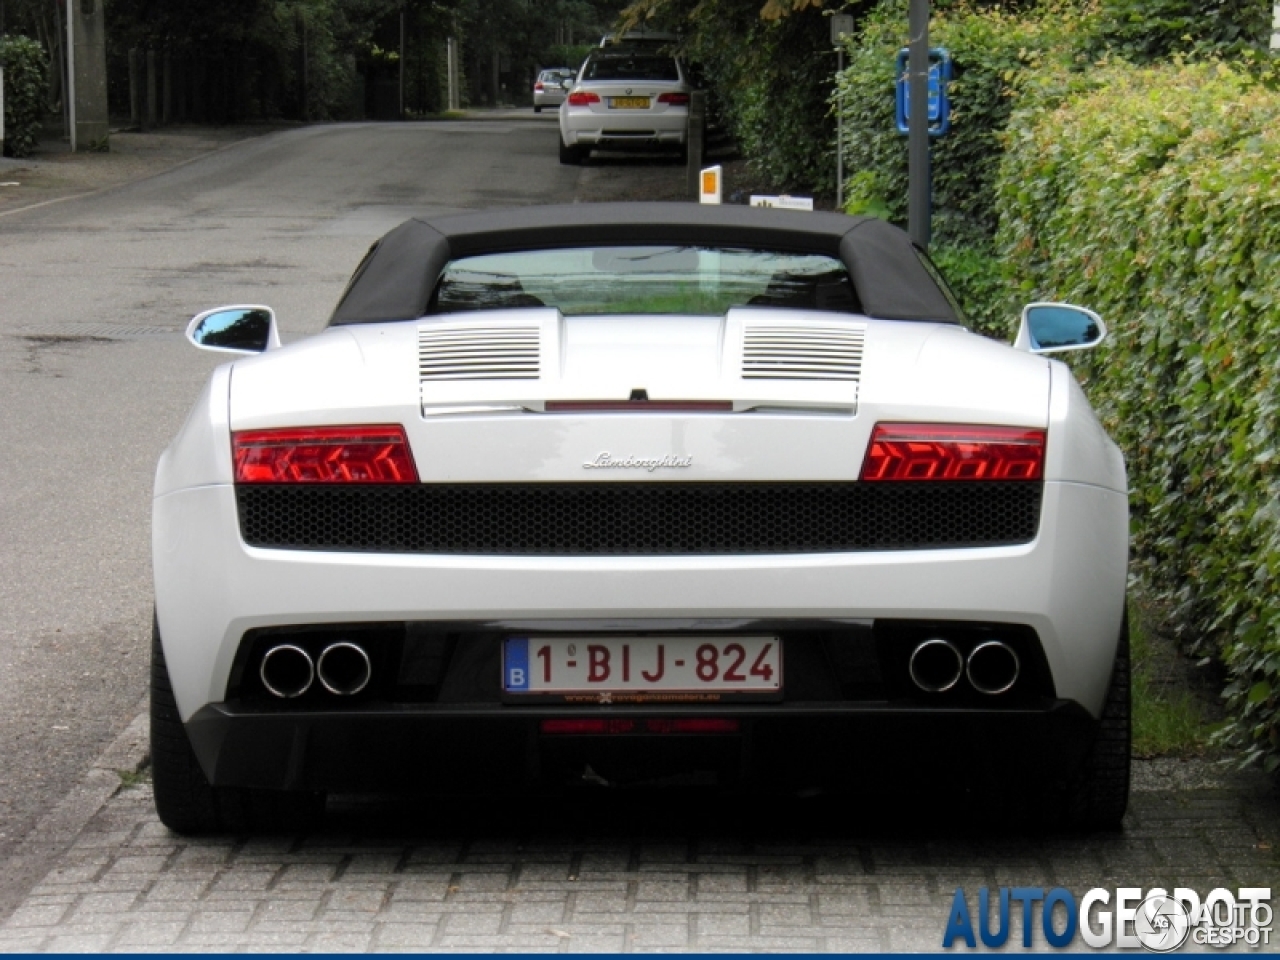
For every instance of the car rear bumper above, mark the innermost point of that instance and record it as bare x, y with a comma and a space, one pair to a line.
778, 747
586, 128
1067, 585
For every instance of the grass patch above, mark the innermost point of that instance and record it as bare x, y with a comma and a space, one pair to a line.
1169, 717
132, 778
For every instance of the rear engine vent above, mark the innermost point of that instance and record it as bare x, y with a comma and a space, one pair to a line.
802, 353
479, 353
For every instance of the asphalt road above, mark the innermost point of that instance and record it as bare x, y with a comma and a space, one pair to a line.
95, 379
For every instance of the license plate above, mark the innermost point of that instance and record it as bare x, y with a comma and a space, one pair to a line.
592, 665
629, 103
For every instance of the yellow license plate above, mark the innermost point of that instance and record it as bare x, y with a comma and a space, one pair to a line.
629, 103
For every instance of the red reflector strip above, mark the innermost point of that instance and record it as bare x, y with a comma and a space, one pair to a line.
597, 725
924, 451
358, 454
587, 726
692, 725
582, 99
640, 406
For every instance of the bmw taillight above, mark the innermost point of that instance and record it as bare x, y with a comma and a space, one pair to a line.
925, 451
583, 98
676, 99
358, 454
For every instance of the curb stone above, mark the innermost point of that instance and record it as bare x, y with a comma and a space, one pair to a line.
57, 830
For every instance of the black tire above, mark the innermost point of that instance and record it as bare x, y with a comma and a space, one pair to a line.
571, 156
537, 109
184, 799
1099, 794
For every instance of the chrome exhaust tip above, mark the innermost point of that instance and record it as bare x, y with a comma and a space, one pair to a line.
993, 667
287, 671
344, 668
936, 665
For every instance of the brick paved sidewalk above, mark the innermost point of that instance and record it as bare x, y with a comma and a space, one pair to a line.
573, 878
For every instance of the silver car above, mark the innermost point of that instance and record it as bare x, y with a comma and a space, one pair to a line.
625, 99
548, 89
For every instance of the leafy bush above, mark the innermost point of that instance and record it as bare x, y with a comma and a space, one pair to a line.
25, 90
975, 277
993, 52
1154, 198
770, 79
1145, 30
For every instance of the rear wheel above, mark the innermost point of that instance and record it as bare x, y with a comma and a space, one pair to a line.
1099, 794
537, 109
571, 156
185, 800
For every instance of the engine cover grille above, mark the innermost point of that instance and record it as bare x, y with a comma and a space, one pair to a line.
654, 519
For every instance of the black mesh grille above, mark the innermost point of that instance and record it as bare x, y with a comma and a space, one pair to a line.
578, 519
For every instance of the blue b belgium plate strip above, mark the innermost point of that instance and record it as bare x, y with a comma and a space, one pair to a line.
515, 664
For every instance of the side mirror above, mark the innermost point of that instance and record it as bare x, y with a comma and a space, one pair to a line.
1057, 328
241, 329
567, 83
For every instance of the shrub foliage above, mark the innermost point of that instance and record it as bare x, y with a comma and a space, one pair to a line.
1154, 198
994, 53
25, 91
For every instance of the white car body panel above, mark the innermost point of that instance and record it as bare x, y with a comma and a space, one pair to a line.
211, 587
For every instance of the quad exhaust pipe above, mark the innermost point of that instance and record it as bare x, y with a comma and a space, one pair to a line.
937, 665
993, 667
343, 668
287, 671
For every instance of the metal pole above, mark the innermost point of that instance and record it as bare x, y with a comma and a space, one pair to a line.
1275, 28
839, 131
70, 91
918, 214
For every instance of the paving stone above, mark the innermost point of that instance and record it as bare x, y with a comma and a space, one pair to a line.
345, 893
405, 936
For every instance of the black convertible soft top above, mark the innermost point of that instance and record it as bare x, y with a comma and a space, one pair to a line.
396, 279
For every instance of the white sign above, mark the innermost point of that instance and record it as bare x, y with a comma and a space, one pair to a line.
783, 202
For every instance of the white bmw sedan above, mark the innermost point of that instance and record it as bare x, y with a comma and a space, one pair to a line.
627, 491
627, 99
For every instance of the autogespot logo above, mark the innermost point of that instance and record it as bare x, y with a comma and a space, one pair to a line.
1126, 918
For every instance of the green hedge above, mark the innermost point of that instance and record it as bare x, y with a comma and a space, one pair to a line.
771, 80
995, 53
25, 89
1155, 199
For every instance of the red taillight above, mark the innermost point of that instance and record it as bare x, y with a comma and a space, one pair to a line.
925, 451
538, 85
582, 98
677, 99
361, 454
597, 725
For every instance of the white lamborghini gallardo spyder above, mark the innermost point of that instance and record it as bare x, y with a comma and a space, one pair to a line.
645, 490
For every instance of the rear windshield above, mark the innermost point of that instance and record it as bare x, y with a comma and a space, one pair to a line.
645, 280
637, 67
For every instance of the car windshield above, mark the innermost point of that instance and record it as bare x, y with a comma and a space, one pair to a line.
631, 68
645, 280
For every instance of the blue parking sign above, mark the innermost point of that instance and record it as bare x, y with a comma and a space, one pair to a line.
939, 103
